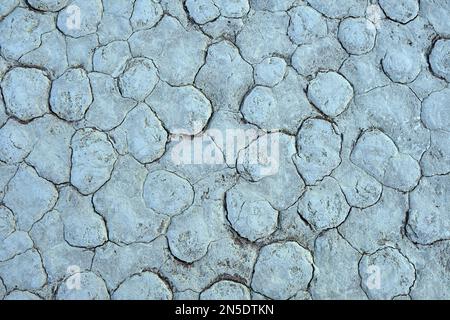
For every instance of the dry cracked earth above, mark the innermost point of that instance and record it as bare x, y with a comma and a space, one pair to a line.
99, 97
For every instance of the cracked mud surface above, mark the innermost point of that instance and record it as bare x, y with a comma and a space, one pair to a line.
99, 96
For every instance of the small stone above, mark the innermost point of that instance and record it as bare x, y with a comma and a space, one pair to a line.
316, 160
361, 190
357, 35
51, 152
250, 214
282, 269
439, 60
436, 110
325, 53
265, 217
83, 227
144, 286
26, 92
93, 158
71, 95
139, 79
92, 287
258, 107
23, 272
270, 71
167, 193
90, 14
189, 234
324, 206
396, 274
182, 110
429, 211
29, 197
141, 134
111, 59
146, 14
402, 64
307, 25
202, 11
331, 93
226, 290
401, 11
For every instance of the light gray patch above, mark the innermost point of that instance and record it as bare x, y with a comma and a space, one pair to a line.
26, 92
282, 269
